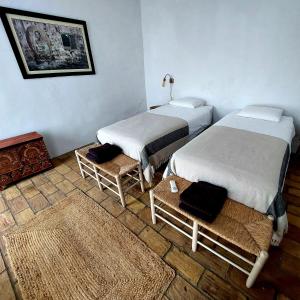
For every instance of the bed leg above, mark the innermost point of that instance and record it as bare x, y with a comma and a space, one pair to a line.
79, 164
195, 236
121, 194
152, 207
141, 178
260, 261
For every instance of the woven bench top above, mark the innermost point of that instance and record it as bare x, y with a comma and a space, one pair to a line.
118, 166
236, 223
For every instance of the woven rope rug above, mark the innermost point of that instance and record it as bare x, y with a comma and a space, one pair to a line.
76, 250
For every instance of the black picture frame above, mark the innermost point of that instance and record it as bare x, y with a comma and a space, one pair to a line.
77, 43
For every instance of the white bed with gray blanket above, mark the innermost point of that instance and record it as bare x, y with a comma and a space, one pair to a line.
153, 136
247, 156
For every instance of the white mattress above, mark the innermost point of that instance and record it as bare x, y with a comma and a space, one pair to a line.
284, 129
195, 117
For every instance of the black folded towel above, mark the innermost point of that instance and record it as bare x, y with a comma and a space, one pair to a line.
203, 199
103, 153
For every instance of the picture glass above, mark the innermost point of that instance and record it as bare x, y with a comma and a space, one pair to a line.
50, 46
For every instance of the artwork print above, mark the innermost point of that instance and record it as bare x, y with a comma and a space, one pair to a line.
48, 46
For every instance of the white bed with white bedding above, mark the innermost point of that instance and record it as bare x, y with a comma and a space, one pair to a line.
284, 129
153, 136
197, 118
247, 156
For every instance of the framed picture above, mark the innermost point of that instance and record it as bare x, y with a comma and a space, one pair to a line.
47, 46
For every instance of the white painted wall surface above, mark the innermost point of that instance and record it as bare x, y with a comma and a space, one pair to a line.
231, 53
69, 110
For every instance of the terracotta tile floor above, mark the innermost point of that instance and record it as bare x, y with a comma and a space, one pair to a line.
200, 275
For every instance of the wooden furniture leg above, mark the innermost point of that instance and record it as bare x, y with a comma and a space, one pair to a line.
259, 263
79, 164
152, 207
195, 236
141, 177
98, 179
121, 194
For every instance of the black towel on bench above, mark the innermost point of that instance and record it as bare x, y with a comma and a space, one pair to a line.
203, 200
103, 153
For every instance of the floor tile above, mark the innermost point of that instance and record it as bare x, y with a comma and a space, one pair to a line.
48, 189
6, 290
2, 266
145, 215
65, 186
3, 205
38, 202
132, 222
24, 183
272, 274
176, 237
181, 289
72, 176
294, 191
134, 204
291, 247
63, 169
233, 257
17, 204
290, 264
210, 261
24, 216
96, 194
29, 191
55, 197
55, 177
113, 206
136, 191
83, 184
6, 221
11, 193
39, 180
293, 209
217, 288
295, 177
292, 183
74, 166
291, 199
17, 291
145, 199
260, 290
155, 241
294, 219
185, 265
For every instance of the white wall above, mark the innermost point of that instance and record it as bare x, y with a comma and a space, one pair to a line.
69, 110
231, 53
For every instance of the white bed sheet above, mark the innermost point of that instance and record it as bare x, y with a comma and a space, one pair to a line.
195, 117
284, 129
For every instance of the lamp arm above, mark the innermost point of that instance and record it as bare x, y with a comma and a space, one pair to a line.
171, 82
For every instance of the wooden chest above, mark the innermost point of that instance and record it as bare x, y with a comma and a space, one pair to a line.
22, 156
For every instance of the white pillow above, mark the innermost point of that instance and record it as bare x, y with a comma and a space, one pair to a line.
261, 112
188, 102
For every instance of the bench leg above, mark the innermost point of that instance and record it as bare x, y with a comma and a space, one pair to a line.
195, 236
141, 178
79, 164
98, 179
121, 194
260, 261
152, 207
